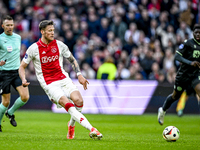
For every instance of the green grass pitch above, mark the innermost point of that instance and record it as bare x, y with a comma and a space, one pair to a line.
44, 130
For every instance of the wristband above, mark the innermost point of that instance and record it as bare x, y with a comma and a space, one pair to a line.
78, 73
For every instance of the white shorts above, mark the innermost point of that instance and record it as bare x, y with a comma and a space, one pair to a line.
60, 88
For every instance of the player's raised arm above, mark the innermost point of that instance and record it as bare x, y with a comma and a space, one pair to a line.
22, 75
76, 68
186, 61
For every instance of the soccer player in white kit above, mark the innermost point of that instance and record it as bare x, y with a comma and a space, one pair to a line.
47, 56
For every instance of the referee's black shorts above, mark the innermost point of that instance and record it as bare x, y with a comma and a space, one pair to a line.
8, 78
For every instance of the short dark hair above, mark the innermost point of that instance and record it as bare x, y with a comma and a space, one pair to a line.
43, 24
6, 17
196, 26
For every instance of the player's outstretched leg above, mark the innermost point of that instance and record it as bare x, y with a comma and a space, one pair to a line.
81, 119
161, 115
162, 110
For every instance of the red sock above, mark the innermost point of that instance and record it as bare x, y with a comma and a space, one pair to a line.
79, 106
68, 105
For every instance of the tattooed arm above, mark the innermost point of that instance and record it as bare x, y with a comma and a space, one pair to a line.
76, 68
74, 64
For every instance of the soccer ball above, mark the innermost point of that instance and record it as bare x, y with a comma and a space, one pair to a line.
171, 133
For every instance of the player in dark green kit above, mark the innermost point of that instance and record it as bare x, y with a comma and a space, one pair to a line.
188, 74
10, 45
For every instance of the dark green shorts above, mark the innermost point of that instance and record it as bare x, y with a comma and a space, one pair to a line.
186, 83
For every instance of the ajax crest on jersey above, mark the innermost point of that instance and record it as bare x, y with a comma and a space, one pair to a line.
171, 134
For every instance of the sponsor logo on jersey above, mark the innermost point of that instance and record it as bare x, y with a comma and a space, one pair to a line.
196, 54
43, 52
181, 46
46, 59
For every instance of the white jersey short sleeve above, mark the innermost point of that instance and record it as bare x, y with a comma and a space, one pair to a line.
64, 49
30, 53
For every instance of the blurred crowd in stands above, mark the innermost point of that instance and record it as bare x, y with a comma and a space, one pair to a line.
111, 39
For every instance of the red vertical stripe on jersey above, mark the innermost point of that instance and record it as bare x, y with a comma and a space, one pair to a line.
49, 58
